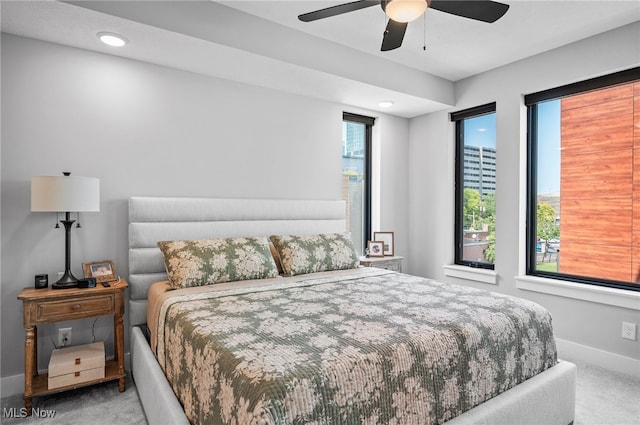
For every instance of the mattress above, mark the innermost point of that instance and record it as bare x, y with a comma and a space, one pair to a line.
359, 346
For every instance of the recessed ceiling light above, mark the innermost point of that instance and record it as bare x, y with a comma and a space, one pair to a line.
385, 104
112, 39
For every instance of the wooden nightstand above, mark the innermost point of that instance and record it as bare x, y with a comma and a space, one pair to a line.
389, 263
48, 306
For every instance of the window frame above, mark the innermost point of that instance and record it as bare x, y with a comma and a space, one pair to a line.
458, 118
531, 101
369, 122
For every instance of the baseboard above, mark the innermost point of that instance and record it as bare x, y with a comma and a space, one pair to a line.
12, 385
583, 354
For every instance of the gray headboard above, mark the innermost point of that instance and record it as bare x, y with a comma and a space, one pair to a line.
153, 219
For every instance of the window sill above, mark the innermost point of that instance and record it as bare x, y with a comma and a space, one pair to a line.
470, 273
596, 294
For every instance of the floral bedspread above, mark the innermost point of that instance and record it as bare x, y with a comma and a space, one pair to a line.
370, 347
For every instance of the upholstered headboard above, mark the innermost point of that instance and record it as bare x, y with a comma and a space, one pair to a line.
153, 219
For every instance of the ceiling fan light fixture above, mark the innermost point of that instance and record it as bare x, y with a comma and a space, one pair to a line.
405, 10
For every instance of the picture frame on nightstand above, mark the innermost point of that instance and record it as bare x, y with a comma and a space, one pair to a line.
101, 271
387, 239
376, 248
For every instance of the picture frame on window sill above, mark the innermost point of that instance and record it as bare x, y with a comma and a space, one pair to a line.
376, 248
101, 271
387, 239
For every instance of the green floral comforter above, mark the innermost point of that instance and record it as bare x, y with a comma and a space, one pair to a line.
370, 347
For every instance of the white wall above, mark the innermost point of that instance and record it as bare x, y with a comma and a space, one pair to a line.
149, 130
584, 328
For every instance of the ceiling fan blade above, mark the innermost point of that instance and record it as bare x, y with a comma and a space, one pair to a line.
393, 35
337, 10
480, 10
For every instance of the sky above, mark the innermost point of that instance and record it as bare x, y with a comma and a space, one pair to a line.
549, 147
481, 131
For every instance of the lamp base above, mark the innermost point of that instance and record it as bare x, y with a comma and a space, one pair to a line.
68, 285
67, 281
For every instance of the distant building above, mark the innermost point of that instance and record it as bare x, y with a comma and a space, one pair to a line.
353, 140
474, 245
353, 169
479, 174
480, 169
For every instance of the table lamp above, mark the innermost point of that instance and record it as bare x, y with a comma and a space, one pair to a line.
65, 194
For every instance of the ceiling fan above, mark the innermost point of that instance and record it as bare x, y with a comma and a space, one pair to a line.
401, 12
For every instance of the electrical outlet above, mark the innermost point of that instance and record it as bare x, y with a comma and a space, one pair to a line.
64, 337
629, 331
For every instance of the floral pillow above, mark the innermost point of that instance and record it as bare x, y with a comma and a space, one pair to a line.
203, 262
301, 254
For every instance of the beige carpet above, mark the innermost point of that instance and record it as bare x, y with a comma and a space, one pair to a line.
602, 398
100, 404
606, 398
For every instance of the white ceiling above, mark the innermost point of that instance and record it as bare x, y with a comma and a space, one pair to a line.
336, 59
457, 47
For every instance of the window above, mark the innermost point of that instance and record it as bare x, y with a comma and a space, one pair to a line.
356, 176
475, 222
583, 212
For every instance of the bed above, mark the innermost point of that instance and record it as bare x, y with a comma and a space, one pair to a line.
351, 346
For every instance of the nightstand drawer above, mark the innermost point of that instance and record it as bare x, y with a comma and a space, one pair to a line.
389, 265
75, 308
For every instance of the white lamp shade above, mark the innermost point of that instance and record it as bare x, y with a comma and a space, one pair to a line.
405, 10
65, 194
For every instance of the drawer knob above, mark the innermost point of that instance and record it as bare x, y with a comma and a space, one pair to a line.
76, 306
78, 360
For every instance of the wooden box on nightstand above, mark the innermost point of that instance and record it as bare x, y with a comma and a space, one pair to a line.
75, 365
